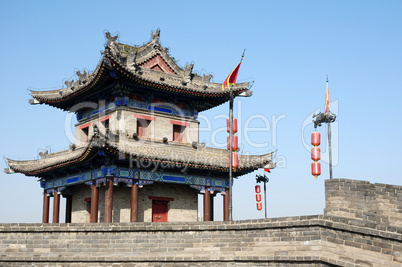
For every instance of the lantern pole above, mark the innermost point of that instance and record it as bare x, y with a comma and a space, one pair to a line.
330, 150
230, 153
265, 180
328, 119
265, 198
231, 100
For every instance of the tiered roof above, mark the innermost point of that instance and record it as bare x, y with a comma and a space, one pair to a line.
148, 66
122, 69
166, 154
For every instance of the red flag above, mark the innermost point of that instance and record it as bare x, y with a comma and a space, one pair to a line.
327, 101
231, 79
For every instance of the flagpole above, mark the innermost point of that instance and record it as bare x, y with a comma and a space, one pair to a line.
329, 131
230, 153
265, 198
231, 97
328, 117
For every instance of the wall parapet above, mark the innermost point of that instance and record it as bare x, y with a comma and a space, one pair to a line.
361, 200
314, 240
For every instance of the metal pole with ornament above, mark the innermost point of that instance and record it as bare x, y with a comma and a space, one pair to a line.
233, 157
328, 117
264, 179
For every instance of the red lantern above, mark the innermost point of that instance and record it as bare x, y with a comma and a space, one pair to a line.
316, 168
315, 153
234, 124
259, 206
258, 197
235, 143
235, 159
257, 189
316, 138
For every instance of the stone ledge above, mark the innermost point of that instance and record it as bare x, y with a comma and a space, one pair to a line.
333, 222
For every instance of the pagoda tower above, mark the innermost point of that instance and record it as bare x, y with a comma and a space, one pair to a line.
136, 155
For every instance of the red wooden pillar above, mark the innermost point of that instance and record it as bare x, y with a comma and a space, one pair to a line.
109, 199
94, 203
211, 209
69, 208
56, 206
226, 205
134, 202
207, 205
46, 202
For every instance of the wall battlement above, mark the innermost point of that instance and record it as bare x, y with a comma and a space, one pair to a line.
321, 240
293, 241
380, 203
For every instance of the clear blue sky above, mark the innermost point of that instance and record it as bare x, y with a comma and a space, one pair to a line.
291, 47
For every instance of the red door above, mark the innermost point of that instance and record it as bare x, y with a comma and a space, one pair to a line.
159, 211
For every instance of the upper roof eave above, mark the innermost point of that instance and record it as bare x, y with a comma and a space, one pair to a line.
184, 82
162, 81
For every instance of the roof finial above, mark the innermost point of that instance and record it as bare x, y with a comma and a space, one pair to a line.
155, 36
110, 38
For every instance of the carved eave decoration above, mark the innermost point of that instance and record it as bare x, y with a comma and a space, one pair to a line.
148, 65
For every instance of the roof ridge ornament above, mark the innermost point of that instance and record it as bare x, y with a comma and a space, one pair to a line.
110, 39
43, 155
206, 78
133, 58
111, 44
155, 40
155, 36
69, 84
82, 77
188, 73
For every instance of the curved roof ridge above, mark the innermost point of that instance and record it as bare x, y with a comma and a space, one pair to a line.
182, 155
212, 158
73, 87
32, 167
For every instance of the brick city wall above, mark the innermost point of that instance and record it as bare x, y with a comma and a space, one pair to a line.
381, 203
293, 241
359, 228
